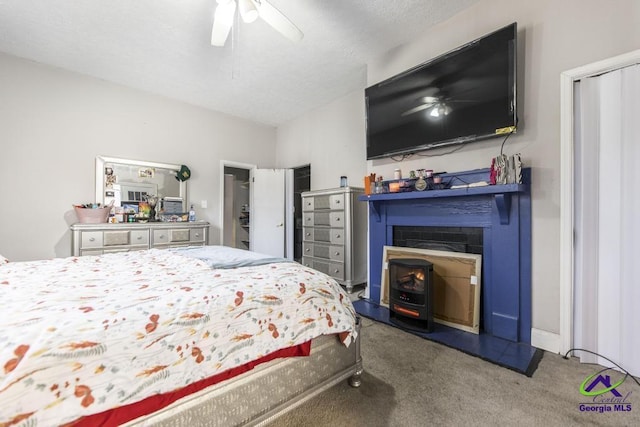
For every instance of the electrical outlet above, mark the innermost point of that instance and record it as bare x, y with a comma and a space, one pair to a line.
203, 204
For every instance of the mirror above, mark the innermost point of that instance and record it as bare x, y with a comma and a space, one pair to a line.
127, 182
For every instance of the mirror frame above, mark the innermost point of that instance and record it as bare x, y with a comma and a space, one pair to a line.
102, 160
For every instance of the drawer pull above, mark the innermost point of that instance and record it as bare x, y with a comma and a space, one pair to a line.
162, 236
139, 237
306, 265
337, 253
308, 234
337, 219
337, 202
336, 271
308, 219
307, 250
197, 234
337, 236
92, 239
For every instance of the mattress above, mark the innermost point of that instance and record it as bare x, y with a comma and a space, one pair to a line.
85, 335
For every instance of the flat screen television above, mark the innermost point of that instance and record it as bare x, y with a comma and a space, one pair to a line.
465, 95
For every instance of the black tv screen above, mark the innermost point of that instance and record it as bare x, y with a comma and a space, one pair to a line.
464, 95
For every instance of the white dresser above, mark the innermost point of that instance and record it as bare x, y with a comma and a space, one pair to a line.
334, 229
98, 239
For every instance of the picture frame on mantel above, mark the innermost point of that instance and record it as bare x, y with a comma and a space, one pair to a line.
456, 284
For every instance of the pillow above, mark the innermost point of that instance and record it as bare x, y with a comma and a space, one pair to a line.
3, 260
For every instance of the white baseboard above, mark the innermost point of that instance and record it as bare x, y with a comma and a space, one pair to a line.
545, 340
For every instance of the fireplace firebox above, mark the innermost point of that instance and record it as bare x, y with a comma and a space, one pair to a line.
411, 293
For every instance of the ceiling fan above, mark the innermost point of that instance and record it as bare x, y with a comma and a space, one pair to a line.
437, 106
250, 10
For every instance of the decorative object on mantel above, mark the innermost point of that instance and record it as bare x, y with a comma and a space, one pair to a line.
92, 213
506, 170
183, 174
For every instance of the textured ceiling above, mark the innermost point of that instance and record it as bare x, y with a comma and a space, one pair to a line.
163, 47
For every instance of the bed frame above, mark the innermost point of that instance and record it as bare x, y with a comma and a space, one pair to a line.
258, 397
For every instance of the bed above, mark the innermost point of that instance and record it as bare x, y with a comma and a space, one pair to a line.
186, 336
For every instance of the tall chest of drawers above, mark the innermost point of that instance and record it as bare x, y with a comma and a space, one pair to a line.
334, 229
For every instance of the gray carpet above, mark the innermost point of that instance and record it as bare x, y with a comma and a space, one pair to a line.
410, 381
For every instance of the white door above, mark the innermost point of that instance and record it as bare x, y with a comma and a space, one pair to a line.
269, 209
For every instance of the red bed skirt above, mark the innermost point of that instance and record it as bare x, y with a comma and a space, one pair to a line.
118, 416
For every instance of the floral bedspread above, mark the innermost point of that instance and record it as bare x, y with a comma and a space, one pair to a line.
82, 335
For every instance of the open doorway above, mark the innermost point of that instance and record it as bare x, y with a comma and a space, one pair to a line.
248, 214
301, 183
236, 216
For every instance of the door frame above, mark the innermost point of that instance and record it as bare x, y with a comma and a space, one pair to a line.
231, 164
567, 185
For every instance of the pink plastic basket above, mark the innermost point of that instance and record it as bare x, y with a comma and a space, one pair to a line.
92, 216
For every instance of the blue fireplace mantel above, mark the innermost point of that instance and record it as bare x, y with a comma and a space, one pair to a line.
504, 214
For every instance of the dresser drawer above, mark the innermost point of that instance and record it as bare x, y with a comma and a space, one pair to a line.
337, 201
333, 269
126, 237
180, 235
319, 250
139, 237
91, 239
197, 235
161, 237
328, 218
307, 204
328, 235
308, 234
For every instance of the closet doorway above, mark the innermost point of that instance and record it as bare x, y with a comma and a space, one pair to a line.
301, 183
598, 170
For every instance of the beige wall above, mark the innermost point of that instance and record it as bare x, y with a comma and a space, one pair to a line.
54, 123
331, 139
554, 35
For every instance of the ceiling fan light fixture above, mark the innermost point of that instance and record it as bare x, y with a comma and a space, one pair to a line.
248, 10
440, 109
223, 20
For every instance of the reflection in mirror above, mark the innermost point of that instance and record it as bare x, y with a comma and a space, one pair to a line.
126, 183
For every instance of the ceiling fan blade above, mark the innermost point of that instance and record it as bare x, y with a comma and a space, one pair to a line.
416, 109
278, 21
222, 22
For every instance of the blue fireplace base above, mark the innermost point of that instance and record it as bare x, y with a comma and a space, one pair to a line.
519, 357
504, 214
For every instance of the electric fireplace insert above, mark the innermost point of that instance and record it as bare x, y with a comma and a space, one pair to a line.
411, 293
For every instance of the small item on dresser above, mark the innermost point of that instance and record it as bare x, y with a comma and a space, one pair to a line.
397, 174
343, 181
192, 214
